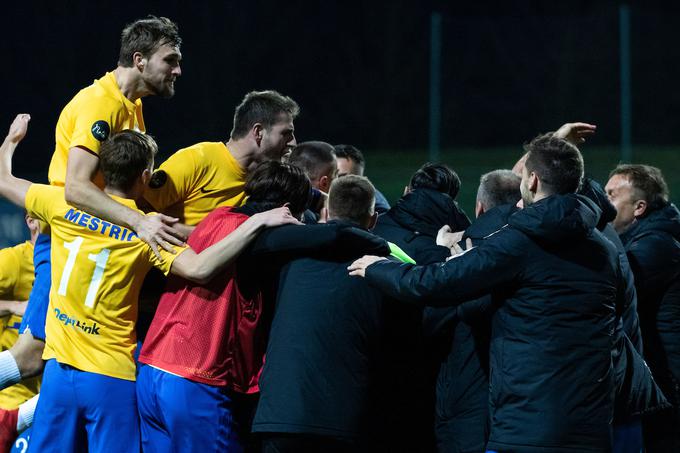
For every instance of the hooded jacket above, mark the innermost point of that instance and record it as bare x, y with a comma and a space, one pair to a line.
551, 380
653, 247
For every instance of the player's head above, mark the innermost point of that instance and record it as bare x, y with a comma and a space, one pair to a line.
126, 161
437, 177
317, 159
553, 166
265, 119
635, 190
497, 188
33, 226
350, 160
272, 184
151, 46
352, 199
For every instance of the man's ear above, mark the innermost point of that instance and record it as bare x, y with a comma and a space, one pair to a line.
533, 182
479, 209
640, 208
372, 221
324, 183
407, 190
146, 176
138, 61
257, 131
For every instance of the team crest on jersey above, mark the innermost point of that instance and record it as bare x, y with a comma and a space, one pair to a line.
158, 179
100, 130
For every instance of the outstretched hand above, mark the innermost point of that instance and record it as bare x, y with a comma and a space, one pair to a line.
18, 128
158, 230
276, 217
575, 133
358, 267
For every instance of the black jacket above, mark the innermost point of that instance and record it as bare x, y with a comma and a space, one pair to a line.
628, 309
414, 220
551, 384
324, 349
653, 247
460, 399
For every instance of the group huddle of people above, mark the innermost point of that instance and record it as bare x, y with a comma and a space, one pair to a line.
285, 306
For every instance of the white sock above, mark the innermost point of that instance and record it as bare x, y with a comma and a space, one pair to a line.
9, 371
26, 411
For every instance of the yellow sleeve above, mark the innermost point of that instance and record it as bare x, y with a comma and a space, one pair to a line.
9, 268
173, 180
42, 201
93, 122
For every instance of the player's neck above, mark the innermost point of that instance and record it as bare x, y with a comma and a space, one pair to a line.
130, 83
242, 152
131, 194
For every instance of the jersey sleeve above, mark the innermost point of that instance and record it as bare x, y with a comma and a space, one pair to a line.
9, 267
42, 201
93, 124
173, 180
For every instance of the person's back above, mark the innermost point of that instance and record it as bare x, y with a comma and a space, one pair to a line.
551, 381
325, 340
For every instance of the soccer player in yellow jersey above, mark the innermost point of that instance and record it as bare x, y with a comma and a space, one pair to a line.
88, 395
195, 180
148, 64
16, 280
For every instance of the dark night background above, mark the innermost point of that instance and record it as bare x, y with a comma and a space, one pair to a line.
359, 70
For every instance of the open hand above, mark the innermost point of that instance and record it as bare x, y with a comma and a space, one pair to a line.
575, 133
276, 217
158, 230
447, 238
359, 266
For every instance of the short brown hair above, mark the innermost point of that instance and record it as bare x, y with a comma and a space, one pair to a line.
272, 184
558, 164
146, 36
648, 183
351, 198
316, 158
124, 156
262, 107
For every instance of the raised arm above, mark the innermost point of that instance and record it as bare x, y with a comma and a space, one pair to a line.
81, 192
202, 267
12, 188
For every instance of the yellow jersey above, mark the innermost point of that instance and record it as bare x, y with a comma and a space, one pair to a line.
88, 119
97, 271
194, 181
16, 281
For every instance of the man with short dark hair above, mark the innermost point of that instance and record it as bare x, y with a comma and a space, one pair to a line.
551, 389
649, 227
325, 342
195, 180
351, 162
317, 159
148, 64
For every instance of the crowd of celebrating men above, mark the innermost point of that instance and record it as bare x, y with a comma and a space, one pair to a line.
292, 309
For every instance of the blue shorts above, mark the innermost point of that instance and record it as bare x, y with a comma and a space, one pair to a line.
39, 300
177, 414
80, 411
